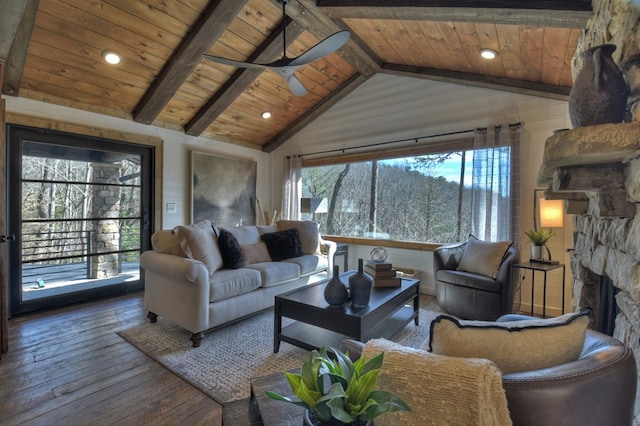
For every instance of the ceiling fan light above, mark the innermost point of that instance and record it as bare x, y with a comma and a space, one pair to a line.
488, 53
266, 114
111, 57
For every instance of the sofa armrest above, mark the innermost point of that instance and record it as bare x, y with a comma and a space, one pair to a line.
174, 267
330, 248
177, 288
353, 348
598, 388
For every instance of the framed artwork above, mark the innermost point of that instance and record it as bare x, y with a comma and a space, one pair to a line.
223, 190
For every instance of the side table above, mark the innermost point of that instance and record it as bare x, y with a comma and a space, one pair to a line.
342, 249
544, 268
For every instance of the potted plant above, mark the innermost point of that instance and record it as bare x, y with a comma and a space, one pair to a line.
538, 239
350, 398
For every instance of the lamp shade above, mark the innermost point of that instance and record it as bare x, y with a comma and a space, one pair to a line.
313, 205
551, 213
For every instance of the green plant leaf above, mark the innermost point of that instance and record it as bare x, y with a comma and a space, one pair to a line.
386, 402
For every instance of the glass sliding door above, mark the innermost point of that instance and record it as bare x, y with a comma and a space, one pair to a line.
79, 207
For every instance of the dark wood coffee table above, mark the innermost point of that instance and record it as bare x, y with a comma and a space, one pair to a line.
318, 324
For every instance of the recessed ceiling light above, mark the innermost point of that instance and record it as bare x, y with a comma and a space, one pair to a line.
488, 53
111, 57
266, 114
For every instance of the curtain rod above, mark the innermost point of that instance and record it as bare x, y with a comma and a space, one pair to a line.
518, 124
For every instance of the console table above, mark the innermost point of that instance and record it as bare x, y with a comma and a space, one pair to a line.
544, 268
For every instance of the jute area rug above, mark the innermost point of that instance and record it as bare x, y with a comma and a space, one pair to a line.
231, 355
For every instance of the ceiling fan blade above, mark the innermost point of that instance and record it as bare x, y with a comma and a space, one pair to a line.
294, 84
233, 63
322, 49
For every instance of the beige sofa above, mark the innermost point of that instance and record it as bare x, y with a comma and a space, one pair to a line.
187, 282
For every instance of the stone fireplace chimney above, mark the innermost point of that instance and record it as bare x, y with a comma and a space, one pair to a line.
596, 170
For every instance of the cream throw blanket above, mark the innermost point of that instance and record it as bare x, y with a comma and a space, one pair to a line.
440, 390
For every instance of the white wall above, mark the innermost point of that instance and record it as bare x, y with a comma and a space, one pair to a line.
387, 108
177, 147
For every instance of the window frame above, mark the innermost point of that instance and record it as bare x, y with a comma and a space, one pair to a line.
439, 147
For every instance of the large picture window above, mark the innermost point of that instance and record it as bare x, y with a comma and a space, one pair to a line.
436, 197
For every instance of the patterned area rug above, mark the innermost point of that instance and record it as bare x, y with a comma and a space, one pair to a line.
230, 356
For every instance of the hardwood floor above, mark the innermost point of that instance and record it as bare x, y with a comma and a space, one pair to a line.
70, 367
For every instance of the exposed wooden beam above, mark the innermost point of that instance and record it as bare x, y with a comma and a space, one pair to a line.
320, 108
318, 23
14, 65
268, 51
212, 24
562, 13
11, 12
477, 80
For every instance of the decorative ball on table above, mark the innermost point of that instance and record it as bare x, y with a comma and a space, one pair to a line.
378, 254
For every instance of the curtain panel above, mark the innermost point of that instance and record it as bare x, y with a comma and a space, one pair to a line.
292, 188
496, 183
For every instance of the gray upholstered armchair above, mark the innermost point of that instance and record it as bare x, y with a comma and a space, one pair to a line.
475, 290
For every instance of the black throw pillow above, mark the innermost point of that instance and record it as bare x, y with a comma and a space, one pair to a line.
230, 250
283, 244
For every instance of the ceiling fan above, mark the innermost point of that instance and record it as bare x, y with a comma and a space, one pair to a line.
286, 66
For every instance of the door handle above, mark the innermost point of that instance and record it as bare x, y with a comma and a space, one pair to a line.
5, 238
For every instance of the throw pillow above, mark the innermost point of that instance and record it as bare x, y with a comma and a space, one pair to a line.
198, 241
255, 253
439, 390
483, 257
513, 346
309, 232
283, 244
230, 250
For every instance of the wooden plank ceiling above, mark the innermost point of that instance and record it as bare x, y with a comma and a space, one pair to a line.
53, 53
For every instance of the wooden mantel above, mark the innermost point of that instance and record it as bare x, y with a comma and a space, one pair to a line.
587, 167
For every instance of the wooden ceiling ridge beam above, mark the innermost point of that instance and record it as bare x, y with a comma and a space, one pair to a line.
563, 13
320, 108
270, 50
524, 87
318, 23
212, 24
17, 53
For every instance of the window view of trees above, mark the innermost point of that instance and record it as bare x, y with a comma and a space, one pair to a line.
426, 198
66, 207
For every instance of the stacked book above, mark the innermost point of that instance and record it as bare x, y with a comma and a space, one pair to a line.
383, 274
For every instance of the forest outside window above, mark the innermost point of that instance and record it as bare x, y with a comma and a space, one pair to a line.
433, 198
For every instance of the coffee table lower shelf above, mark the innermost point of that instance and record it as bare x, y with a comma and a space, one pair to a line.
309, 336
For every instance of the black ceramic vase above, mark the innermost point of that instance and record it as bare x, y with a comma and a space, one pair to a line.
599, 94
335, 293
360, 287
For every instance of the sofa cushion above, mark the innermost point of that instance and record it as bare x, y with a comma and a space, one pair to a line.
276, 273
308, 231
227, 283
255, 253
309, 263
283, 244
440, 390
198, 241
244, 234
230, 250
483, 257
514, 346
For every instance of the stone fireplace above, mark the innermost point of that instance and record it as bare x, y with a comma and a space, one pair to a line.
596, 170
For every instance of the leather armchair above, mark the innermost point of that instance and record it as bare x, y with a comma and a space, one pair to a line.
599, 388
468, 295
